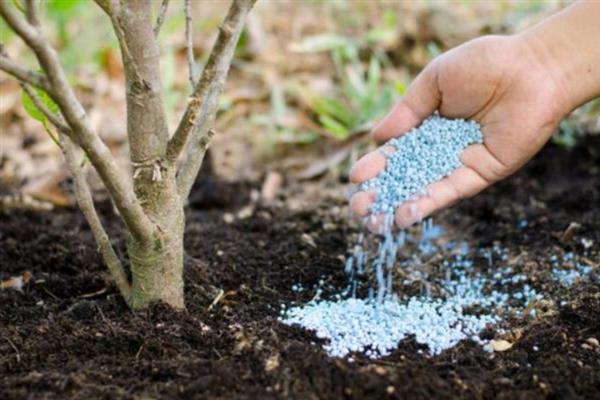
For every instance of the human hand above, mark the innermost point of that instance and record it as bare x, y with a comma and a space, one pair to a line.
501, 83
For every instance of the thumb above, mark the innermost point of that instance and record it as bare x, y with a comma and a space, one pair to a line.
422, 98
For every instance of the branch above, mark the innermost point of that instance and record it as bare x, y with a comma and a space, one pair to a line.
202, 106
189, 46
161, 16
83, 195
146, 118
23, 74
32, 13
118, 186
85, 201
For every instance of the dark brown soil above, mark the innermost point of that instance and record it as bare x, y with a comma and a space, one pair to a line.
68, 335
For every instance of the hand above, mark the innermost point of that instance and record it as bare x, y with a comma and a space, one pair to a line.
496, 81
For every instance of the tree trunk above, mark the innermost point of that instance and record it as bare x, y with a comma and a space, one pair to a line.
157, 263
157, 272
156, 259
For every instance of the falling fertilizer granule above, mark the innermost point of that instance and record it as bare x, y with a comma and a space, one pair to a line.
377, 323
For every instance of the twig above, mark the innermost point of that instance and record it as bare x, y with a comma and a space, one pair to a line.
86, 204
118, 186
84, 196
161, 16
23, 74
189, 42
202, 107
32, 12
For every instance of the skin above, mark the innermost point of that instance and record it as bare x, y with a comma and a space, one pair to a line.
517, 87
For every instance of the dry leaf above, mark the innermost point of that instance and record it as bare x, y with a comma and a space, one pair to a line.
16, 282
500, 345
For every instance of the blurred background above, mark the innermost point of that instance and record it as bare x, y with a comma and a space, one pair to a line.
310, 78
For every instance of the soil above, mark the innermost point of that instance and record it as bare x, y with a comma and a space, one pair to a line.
69, 335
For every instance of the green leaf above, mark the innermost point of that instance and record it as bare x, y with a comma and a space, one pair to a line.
31, 108
48, 102
332, 108
334, 127
36, 114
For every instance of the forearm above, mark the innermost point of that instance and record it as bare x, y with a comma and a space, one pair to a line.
568, 44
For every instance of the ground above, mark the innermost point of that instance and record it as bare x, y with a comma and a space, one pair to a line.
69, 335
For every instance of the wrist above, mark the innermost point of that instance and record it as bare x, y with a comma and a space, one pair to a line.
541, 65
565, 46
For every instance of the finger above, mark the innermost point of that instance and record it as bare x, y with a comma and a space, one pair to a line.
408, 213
370, 164
360, 202
420, 101
462, 183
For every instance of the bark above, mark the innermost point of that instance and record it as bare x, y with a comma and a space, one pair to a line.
157, 266
146, 120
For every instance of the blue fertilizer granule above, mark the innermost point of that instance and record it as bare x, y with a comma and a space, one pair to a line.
423, 156
569, 270
359, 325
